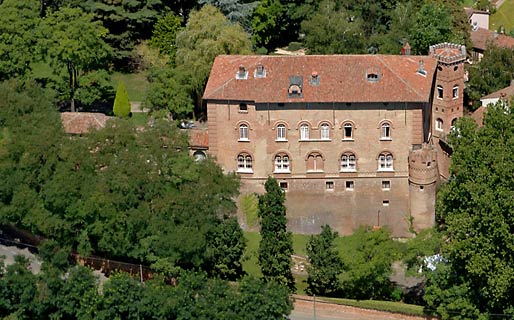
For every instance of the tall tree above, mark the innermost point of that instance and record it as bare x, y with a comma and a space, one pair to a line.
236, 11
71, 40
433, 24
494, 72
476, 209
325, 263
207, 34
276, 246
164, 35
18, 21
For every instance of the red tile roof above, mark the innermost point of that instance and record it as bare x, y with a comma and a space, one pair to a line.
82, 122
502, 93
481, 37
478, 115
198, 138
342, 78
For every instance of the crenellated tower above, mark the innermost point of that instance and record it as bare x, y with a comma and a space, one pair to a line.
447, 98
423, 177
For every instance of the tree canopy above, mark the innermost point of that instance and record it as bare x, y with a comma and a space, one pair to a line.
476, 208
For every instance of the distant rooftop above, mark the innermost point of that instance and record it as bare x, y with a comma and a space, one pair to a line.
82, 122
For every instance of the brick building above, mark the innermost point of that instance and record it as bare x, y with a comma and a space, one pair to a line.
351, 138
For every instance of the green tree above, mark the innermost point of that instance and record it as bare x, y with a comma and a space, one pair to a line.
325, 263
18, 290
331, 31
121, 106
71, 40
476, 208
164, 34
494, 72
95, 88
433, 24
17, 38
207, 34
266, 27
236, 11
276, 246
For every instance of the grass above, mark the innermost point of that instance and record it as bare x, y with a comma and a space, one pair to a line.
136, 84
388, 306
251, 264
504, 16
468, 3
248, 205
139, 118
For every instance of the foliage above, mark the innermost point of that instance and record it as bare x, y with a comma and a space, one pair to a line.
266, 26
169, 90
427, 243
236, 11
432, 24
325, 263
207, 34
95, 88
387, 306
368, 261
17, 38
276, 246
121, 106
494, 72
71, 40
52, 295
331, 31
164, 35
476, 208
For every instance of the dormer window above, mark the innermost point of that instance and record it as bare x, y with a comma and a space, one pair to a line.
295, 87
242, 73
314, 81
260, 72
373, 74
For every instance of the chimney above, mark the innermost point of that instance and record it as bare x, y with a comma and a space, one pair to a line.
405, 51
421, 68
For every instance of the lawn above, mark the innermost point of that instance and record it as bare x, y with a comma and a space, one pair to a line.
389, 306
503, 17
468, 3
136, 84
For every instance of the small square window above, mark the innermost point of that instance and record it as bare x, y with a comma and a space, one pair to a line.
283, 185
329, 185
421, 188
243, 107
349, 185
385, 203
386, 185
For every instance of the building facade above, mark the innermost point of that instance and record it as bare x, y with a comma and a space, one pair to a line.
349, 137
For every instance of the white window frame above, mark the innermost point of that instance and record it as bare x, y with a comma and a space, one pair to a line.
348, 162
349, 185
440, 91
325, 131
386, 185
455, 92
439, 124
385, 162
385, 131
244, 163
281, 132
282, 164
304, 132
347, 125
244, 132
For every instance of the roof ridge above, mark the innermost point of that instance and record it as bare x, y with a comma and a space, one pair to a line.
401, 79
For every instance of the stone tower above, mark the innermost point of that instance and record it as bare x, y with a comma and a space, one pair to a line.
447, 99
423, 176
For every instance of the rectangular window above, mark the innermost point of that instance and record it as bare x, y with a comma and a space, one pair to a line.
283, 185
385, 203
386, 185
455, 92
243, 107
304, 132
325, 132
440, 92
348, 132
329, 185
349, 185
243, 132
281, 132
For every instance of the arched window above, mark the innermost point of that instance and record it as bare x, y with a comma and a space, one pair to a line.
314, 162
304, 132
385, 161
455, 92
439, 124
282, 164
347, 131
440, 92
281, 132
385, 131
243, 132
348, 162
325, 132
199, 155
244, 163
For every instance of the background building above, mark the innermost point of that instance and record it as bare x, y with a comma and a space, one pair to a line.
349, 137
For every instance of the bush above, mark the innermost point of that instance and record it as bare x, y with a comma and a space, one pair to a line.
293, 46
121, 102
